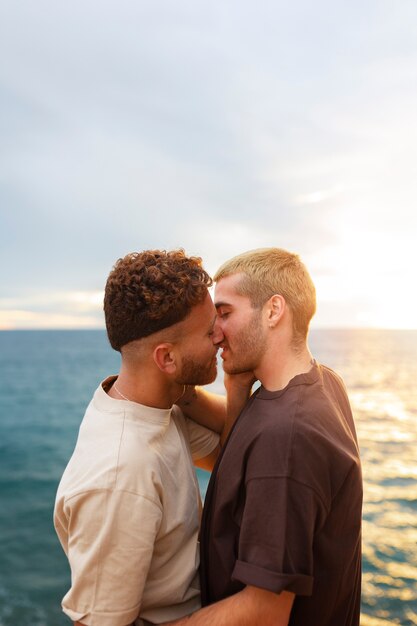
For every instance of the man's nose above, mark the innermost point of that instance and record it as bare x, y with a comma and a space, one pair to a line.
217, 336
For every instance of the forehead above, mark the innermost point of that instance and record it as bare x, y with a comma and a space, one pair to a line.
201, 314
225, 291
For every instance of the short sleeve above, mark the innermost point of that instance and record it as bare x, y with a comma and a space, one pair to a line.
111, 536
277, 531
202, 440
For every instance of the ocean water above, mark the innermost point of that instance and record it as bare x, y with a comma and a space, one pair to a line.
46, 380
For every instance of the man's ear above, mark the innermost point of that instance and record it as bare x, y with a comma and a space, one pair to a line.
165, 358
275, 310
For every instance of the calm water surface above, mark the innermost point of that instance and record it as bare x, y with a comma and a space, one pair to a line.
46, 381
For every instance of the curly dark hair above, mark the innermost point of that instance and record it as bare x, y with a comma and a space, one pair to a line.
151, 290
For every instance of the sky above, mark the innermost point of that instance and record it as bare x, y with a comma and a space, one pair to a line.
216, 127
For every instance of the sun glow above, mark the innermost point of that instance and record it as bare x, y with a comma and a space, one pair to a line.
370, 281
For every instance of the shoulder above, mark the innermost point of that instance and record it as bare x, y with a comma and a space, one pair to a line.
306, 437
113, 454
329, 376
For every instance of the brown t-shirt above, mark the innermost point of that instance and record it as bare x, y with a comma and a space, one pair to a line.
284, 504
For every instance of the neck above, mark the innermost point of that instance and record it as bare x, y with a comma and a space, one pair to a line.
146, 387
281, 363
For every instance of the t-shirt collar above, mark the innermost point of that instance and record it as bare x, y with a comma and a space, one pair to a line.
306, 378
134, 410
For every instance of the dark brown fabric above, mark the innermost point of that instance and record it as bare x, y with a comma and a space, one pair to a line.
283, 507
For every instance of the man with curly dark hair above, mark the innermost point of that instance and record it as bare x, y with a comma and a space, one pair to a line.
128, 506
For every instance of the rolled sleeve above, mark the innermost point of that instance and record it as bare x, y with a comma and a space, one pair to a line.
250, 574
277, 534
202, 440
111, 536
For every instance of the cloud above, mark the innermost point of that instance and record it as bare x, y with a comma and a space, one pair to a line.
217, 127
53, 310
16, 319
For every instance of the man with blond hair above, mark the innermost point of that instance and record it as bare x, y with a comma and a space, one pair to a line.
281, 529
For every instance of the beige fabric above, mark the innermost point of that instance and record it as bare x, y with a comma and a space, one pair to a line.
127, 514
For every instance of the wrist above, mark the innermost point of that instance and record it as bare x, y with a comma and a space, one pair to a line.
238, 393
237, 387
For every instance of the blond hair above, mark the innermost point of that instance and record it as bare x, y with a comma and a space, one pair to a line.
269, 271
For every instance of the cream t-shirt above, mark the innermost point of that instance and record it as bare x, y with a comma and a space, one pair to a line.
127, 513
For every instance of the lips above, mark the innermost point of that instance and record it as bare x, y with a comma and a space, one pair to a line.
224, 350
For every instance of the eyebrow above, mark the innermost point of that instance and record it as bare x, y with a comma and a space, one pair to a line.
220, 304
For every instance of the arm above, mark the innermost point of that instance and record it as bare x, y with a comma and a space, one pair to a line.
238, 388
203, 407
249, 607
214, 411
217, 412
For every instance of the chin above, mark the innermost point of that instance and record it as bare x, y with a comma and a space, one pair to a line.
229, 367
203, 378
211, 377
233, 368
